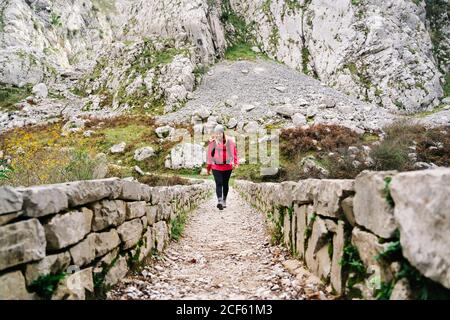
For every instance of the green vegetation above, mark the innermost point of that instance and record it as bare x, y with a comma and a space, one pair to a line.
388, 155
177, 225
242, 31
2, 19
437, 12
241, 51
10, 95
100, 288
150, 56
422, 288
46, 285
446, 86
387, 191
353, 266
55, 19
361, 75
277, 225
274, 38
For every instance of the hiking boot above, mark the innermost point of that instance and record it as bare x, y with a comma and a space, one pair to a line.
220, 204
224, 204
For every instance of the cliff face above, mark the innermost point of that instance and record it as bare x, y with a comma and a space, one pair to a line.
44, 38
392, 53
378, 51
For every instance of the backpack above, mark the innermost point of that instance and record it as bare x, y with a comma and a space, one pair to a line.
229, 158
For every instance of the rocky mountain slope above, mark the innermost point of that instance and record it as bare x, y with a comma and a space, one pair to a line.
104, 57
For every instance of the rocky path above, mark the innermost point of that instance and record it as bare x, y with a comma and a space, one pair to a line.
222, 255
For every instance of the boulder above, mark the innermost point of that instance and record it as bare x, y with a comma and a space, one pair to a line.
370, 205
21, 242
186, 155
246, 107
49, 265
10, 200
12, 287
232, 123
251, 127
285, 110
118, 148
106, 241
43, 200
422, 212
108, 213
310, 165
40, 91
164, 131
101, 167
299, 120
202, 112
66, 229
130, 232
144, 153
74, 286
84, 252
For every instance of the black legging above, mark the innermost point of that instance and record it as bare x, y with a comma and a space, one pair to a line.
222, 179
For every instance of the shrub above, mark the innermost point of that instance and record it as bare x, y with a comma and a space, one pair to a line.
325, 138
389, 155
39, 158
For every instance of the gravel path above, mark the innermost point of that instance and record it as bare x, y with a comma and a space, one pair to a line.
222, 255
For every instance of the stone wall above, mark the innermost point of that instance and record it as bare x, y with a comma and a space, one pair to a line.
382, 235
82, 236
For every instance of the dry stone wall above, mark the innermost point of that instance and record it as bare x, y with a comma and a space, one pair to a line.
382, 235
65, 241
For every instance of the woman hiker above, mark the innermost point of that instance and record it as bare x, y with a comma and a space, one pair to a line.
221, 159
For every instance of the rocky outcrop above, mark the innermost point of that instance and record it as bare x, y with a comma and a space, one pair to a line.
378, 51
186, 155
99, 232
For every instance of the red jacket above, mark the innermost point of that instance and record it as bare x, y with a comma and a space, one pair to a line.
222, 156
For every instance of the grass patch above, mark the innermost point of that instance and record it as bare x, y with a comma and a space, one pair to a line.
241, 51
177, 226
10, 95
